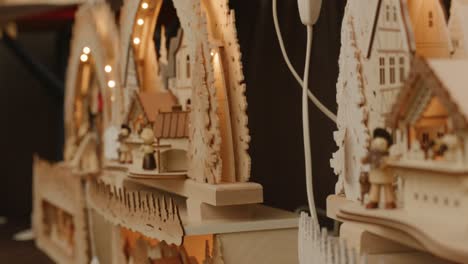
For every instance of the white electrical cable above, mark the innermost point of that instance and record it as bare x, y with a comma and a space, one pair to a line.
312, 97
306, 128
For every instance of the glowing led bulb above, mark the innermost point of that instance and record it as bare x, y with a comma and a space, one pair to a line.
108, 68
212, 53
136, 41
84, 57
111, 84
140, 21
144, 5
86, 50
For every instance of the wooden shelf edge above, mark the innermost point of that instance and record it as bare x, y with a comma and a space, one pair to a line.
216, 195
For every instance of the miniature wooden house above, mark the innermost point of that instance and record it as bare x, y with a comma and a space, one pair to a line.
145, 107
390, 50
431, 132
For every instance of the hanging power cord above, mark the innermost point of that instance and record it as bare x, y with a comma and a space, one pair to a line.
311, 96
309, 11
306, 128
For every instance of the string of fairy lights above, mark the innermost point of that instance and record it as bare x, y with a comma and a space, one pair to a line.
85, 58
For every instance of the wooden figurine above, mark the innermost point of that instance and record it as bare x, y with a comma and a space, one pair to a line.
149, 162
125, 153
380, 177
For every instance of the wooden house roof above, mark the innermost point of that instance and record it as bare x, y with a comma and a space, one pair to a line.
154, 102
405, 26
445, 78
173, 124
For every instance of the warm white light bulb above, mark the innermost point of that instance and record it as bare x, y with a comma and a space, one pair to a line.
212, 53
111, 84
86, 50
108, 68
140, 21
84, 57
136, 41
144, 5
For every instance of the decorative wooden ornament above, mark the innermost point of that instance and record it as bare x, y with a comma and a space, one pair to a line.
156, 217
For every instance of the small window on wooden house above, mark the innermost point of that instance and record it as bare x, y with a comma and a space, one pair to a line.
394, 14
431, 19
382, 70
392, 70
402, 69
387, 13
188, 66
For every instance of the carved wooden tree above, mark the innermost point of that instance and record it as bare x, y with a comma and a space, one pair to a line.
352, 135
205, 140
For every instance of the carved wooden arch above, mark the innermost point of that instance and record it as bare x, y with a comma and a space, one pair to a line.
94, 35
209, 28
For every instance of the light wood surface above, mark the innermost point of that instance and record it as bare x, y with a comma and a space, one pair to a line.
217, 195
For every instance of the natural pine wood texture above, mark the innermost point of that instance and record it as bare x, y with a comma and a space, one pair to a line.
216, 195
436, 240
57, 187
379, 242
95, 30
270, 246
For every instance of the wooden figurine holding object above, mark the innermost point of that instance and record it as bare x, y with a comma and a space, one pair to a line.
149, 162
125, 153
380, 177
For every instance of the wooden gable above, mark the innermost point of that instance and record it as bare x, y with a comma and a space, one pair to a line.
149, 105
391, 30
442, 78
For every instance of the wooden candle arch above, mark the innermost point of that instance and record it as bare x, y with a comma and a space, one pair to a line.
98, 42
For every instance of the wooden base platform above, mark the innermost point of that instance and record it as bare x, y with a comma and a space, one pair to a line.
394, 226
